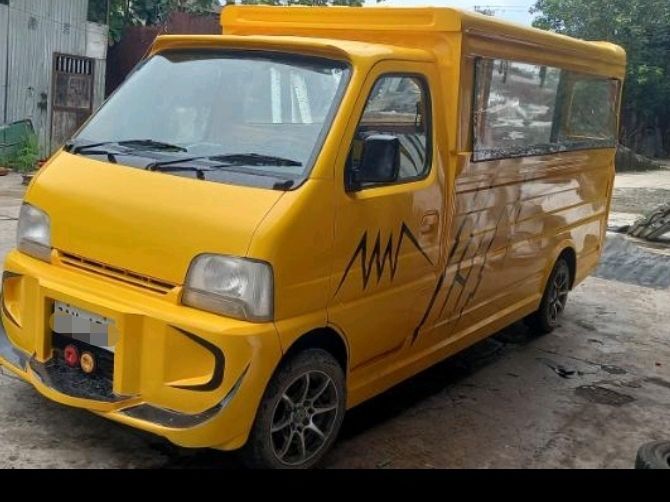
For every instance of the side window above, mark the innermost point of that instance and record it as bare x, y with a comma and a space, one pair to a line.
516, 103
524, 110
591, 113
398, 108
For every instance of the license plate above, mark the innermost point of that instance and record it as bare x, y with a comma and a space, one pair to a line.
82, 325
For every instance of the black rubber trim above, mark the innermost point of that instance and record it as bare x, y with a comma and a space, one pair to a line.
177, 420
219, 364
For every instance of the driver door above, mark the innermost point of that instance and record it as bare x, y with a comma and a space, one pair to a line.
388, 234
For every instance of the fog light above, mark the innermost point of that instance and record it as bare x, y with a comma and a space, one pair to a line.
87, 363
71, 356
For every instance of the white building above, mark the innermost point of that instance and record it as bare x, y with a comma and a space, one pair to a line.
52, 66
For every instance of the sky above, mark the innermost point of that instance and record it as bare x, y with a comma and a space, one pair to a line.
511, 10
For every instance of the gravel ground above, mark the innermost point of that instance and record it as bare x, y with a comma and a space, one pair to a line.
585, 396
636, 193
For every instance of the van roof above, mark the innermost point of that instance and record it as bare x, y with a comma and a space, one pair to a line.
381, 23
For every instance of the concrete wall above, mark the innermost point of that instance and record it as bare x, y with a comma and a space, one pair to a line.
37, 30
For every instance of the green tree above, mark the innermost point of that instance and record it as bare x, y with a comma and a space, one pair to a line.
124, 13
642, 27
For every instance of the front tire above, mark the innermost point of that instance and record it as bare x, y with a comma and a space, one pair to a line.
300, 415
555, 298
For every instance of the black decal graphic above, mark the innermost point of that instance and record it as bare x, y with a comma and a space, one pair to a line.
463, 280
440, 283
433, 298
379, 259
482, 268
219, 363
458, 278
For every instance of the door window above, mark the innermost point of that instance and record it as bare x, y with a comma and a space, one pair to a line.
398, 106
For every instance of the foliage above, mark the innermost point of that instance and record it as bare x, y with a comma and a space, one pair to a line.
26, 157
642, 27
124, 13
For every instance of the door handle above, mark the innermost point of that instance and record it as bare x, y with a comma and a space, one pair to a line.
429, 222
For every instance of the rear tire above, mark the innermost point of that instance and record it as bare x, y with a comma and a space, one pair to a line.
555, 297
654, 456
300, 415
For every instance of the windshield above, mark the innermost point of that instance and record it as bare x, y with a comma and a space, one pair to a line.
227, 116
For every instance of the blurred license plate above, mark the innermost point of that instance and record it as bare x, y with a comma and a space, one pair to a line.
82, 325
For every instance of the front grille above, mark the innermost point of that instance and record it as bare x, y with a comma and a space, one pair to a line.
116, 273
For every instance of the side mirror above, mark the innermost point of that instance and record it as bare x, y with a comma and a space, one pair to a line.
380, 162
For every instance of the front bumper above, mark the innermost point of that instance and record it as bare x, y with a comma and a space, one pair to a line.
190, 376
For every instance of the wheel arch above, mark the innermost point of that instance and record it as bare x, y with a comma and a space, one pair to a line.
565, 250
326, 338
570, 256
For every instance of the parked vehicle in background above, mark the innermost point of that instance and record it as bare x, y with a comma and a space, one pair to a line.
13, 137
258, 232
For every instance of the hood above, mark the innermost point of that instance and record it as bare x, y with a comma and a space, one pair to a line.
148, 223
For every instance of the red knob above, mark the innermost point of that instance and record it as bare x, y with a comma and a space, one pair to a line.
71, 355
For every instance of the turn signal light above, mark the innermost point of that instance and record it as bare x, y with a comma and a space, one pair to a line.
87, 363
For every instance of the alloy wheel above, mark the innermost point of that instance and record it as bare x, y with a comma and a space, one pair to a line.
304, 418
558, 294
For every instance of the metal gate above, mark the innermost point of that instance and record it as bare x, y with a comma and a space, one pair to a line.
72, 91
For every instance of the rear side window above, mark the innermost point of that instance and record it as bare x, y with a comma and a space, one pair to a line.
398, 106
591, 111
523, 109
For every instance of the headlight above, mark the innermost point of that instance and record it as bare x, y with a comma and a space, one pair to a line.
33, 236
234, 287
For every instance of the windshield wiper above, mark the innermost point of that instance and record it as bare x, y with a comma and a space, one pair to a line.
232, 160
150, 144
92, 149
134, 145
170, 166
164, 165
256, 159
200, 172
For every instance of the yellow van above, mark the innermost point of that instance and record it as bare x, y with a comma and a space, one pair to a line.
263, 229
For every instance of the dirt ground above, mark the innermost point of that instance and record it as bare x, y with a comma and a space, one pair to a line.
586, 396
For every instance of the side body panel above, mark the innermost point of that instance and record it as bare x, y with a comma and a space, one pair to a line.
507, 221
512, 218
